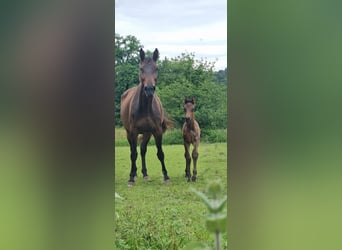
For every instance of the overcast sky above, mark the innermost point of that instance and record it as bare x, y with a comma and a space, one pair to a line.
176, 26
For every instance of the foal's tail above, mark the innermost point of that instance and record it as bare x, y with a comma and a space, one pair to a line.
167, 123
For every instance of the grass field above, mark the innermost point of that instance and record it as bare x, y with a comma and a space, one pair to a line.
155, 215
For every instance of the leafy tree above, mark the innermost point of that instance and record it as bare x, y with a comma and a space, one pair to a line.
126, 50
178, 77
185, 68
221, 76
126, 67
185, 76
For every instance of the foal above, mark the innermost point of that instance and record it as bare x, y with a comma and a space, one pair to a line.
191, 135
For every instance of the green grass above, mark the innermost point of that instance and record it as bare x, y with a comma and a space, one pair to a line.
155, 215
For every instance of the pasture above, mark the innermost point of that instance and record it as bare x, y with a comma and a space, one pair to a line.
155, 215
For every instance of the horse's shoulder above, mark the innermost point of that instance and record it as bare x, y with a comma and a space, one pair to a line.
124, 94
197, 128
128, 92
196, 124
157, 102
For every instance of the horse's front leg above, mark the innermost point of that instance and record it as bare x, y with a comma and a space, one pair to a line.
187, 160
158, 138
132, 139
143, 149
195, 157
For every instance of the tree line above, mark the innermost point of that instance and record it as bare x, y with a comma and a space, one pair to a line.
181, 76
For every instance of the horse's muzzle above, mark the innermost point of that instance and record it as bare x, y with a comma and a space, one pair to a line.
187, 119
149, 90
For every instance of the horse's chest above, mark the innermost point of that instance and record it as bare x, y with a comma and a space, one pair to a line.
190, 136
146, 117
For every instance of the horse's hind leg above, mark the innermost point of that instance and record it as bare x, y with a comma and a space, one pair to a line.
132, 139
143, 149
160, 154
187, 160
195, 157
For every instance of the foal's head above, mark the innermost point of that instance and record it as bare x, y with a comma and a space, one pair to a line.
148, 72
189, 108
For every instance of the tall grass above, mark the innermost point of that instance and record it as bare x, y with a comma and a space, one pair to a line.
155, 215
174, 136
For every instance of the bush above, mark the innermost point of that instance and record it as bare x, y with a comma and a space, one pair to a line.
174, 136
214, 136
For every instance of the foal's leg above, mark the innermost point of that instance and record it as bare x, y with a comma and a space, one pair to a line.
194, 157
187, 160
158, 138
143, 149
132, 139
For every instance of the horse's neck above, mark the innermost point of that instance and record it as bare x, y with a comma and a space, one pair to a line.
145, 103
191, 124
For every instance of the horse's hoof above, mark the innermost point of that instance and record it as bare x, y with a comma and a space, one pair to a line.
130, 183
167, 181
193, 178
147, 178
188, 179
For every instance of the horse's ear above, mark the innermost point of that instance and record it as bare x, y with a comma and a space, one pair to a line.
193, 100
155, 55
184, 100
142, 54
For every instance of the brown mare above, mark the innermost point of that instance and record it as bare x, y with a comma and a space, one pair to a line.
191, 135
142, 113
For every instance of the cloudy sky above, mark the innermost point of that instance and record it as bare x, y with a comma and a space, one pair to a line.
176, 26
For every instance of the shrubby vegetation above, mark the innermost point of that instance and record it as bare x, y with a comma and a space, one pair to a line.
174, 136
178, 77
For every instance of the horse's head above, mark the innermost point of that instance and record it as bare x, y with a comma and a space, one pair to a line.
189, 108
148, 72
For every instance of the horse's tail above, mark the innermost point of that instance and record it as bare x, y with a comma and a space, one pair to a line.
167, 123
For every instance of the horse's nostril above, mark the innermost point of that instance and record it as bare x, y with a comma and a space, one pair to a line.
150, 88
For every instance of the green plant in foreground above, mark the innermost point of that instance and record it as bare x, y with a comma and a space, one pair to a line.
216, 220
117, 196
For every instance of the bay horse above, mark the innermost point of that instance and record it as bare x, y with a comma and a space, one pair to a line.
142, 113
191, 135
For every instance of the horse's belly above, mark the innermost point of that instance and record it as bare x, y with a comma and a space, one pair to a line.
147, 125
